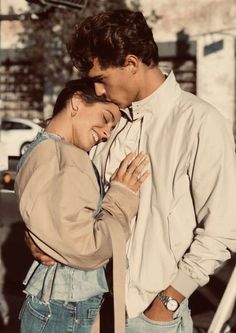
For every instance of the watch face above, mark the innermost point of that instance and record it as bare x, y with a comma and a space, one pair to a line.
172, 305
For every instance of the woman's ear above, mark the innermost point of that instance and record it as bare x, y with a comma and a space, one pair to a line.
132, 63
75, 103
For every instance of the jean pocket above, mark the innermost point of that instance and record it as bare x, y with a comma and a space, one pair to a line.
167, 324
35, 316
95, 303
38, 309
88, 309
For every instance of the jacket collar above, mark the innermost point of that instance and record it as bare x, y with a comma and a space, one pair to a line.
161, 100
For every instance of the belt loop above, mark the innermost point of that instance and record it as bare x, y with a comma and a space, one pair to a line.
48, 283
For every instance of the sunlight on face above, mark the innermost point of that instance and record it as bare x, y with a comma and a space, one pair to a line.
116, 83
94, 123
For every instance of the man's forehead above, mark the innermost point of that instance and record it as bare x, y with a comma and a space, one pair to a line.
96, 70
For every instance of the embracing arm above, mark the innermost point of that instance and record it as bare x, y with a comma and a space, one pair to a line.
61, 219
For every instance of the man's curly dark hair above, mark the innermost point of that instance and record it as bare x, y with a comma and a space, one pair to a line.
110, 36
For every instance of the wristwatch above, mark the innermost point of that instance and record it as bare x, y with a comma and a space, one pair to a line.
170, 303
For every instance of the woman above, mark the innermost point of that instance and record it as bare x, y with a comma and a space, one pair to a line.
63, 206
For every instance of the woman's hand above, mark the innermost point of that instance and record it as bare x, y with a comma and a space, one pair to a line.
131, 171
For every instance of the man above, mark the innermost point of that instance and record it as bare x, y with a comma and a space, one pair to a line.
186, 224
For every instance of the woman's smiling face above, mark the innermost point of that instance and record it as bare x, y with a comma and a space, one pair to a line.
94, 123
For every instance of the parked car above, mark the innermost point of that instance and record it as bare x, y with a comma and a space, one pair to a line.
17, 133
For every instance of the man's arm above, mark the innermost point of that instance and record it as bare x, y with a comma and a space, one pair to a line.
157, 311
212, 173
36, 252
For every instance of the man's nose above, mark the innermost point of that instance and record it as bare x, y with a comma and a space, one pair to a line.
99, 89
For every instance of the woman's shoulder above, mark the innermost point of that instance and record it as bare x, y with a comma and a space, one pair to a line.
60, 154
70, 155
50, 150
38, 153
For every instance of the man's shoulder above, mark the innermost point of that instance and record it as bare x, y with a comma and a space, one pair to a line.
198, 109
202, 117
196, 103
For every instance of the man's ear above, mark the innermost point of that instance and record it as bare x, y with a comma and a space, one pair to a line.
75, 103
132, 63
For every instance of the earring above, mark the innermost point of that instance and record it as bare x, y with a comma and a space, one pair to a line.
73, 113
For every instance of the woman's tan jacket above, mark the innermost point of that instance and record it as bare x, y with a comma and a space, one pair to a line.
58, 195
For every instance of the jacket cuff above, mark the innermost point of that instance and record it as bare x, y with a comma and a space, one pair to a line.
124, 198
128, 190
184, 284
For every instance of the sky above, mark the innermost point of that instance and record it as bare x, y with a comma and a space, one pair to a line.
8, 30
19, 5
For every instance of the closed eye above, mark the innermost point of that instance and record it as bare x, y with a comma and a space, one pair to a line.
105, 119
97, 79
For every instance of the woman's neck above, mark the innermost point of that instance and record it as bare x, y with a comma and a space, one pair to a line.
61, 126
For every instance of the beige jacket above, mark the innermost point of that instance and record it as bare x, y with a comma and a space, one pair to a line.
58, 194
186, 224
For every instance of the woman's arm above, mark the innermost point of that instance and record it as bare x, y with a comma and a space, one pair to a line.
61, 221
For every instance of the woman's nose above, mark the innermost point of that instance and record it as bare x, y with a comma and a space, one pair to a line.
106, 133
99, 88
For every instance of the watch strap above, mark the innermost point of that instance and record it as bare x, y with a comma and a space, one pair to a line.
165, 299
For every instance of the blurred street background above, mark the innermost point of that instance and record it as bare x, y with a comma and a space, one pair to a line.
196, 39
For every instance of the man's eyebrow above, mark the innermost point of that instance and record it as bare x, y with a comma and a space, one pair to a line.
96, 78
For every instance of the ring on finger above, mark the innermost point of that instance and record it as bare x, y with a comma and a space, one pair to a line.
137, 175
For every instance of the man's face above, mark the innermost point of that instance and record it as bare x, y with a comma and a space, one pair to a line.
116, 83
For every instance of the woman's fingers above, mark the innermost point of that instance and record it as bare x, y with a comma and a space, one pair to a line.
137, 167
114, 174
131, 164
125, 164
144, 176
131, 172
139, 181
136, 163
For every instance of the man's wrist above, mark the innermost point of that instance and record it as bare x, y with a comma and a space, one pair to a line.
172, 292
170, 303
158, 311
170, 299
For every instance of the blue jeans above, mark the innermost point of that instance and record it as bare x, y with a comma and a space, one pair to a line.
59, 316
181, 324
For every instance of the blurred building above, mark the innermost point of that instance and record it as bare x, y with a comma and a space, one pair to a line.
196, 39
24, 99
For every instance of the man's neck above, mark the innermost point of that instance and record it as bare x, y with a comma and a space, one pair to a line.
151, 79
